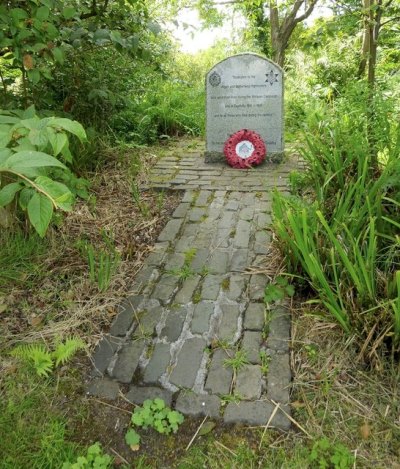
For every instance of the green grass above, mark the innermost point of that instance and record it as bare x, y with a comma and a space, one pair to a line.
20, 258
33, 430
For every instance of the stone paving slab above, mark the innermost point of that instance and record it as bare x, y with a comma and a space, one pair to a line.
194, 304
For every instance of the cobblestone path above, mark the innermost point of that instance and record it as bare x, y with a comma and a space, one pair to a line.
194, 330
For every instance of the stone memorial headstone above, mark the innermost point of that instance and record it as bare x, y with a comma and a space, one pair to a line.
244, 91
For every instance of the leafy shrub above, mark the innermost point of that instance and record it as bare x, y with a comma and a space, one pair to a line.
154, 414
325, 455
94, 459
30, 152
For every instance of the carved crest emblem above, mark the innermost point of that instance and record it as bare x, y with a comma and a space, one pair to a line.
214, 79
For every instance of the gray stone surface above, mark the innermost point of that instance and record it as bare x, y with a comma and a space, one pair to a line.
181, 210
261, 244
174, 324
126, 315
219, 262
201, 317
128, 361
165, 287
239, 260
256, 413
242, 235
171, 230
254, 317
248, 382
211, 287
138, 394
104, 388
279, 330
244, 91
251, 343
237, 285
187, 366
228, 327
185, 294
103, 354
219, 302
219, 378
196, 405
148, 318
257, 286
278, 378
158, 363
200, 259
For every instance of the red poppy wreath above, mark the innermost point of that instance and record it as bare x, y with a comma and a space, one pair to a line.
244, 149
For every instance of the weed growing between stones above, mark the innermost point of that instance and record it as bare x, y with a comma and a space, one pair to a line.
154, 414
237, 361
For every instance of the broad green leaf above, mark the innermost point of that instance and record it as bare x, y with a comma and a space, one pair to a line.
25, 196
57, 140
58, 192
42, 13
116, 37
101, 34
8, 119
29, 113
69, 12
40, 211
58, 55
132, 439
38, 137
5, 153
34, 76
7, 193
71, 126
18, 14
24, 144
5, 138
31, 159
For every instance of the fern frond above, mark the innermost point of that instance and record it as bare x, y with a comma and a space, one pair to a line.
65, 351
36, 355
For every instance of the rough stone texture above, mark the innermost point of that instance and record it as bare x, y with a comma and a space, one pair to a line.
211, 287
149, 317
128, 361
219, 377
171, 230
104, 388
237, 284
185, 294
256, 413
279, 377
200, 259
279, 330
158, 363
222, 218
229, 322
242, 236
201, 317
198, 404
239, 260
174, 324
181, 210
138, 394
257, 286
103, 354
254, 317
248, 382
165, 287
251, 343
189, 359
219, 262
124, 319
